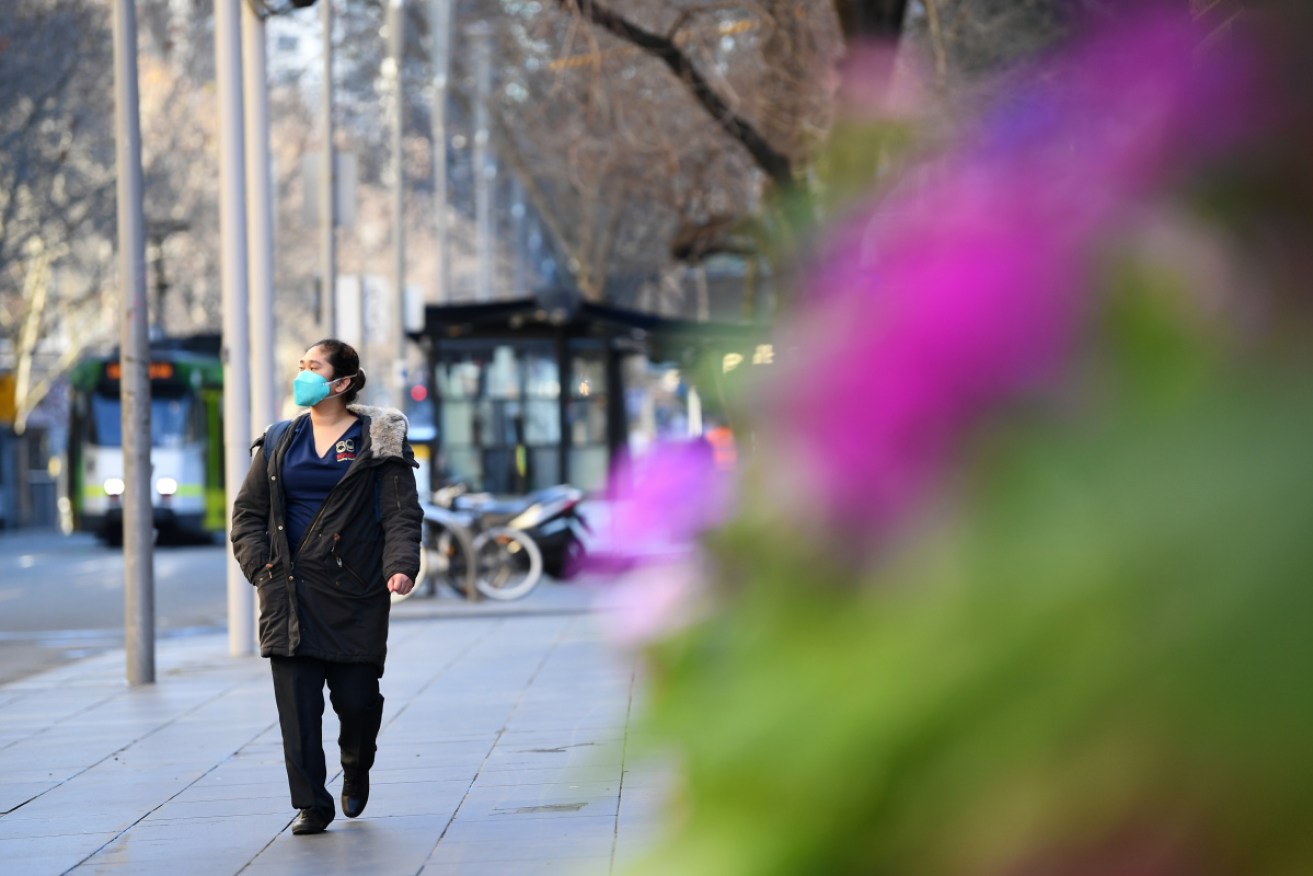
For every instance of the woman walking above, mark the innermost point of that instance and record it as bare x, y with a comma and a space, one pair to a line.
326, 526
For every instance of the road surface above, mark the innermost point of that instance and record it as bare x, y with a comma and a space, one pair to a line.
61, 597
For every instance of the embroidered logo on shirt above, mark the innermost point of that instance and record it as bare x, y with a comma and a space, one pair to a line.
346, 450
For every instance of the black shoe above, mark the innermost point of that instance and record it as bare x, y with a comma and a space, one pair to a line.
355, 792
312, 821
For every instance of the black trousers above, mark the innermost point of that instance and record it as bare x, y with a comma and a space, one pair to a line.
299, 692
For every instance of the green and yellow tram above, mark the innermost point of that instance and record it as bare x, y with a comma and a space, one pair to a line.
186, 403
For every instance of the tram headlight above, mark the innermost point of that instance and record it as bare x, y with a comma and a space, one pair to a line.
113, 486
166, 486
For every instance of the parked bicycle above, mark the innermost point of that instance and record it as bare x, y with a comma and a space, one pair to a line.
551, 517
500, 548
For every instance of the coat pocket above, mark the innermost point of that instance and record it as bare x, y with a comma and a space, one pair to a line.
345, 573
275, 617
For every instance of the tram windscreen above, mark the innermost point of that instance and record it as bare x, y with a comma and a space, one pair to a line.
171, 420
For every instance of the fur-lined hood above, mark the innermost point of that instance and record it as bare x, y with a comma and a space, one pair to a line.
387, 429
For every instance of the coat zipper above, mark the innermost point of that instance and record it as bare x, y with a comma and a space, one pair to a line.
280, 454
320, 513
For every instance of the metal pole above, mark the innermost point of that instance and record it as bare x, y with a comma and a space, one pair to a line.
259, 237
138, 561
259, 218
440, 29
327, 213
233, 277
396, 339
481, 37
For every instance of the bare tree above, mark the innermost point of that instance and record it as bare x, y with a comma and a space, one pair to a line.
972, 40
652, 137
664, 47
56, 182
637, 161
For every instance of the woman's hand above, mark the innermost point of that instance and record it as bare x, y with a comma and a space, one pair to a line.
400, 584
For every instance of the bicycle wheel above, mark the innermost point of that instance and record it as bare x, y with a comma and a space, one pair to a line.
509, 563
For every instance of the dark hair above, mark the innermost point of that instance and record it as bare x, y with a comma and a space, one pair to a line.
346, 363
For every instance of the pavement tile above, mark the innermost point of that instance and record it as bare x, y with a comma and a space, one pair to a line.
232, 807
520, 849
236, 771
549, 867
556, 756
414, 799
459, 773
213, 847
548, 775
636, 809
199, 792
351, 848
53, 855
540, 801
643, 774
563, 740
34, 773
15, 794
398, 780
518, 830
389, 758
563, 721
631, 848
529, 850
566, 786
394, 746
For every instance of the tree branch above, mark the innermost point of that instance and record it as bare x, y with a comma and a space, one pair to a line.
937, 42
775, 164
508, 149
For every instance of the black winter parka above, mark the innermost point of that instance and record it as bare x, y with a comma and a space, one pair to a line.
332, 601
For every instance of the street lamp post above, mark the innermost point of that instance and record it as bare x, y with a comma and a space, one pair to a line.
327, 211
440, 34
259, 217
480, 35
134, 352
395, 310
233, 269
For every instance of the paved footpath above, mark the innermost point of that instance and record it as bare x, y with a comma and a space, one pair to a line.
505, 749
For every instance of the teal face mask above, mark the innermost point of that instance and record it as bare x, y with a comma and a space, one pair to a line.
309, 389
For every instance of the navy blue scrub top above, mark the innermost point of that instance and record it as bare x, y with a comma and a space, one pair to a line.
308, 478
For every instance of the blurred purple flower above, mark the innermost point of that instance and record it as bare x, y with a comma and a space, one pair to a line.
945, 300
652, 601
659, 504
867, 87
661, 501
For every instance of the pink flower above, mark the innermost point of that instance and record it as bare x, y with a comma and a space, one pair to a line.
652, 601
659, 503
937, 305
